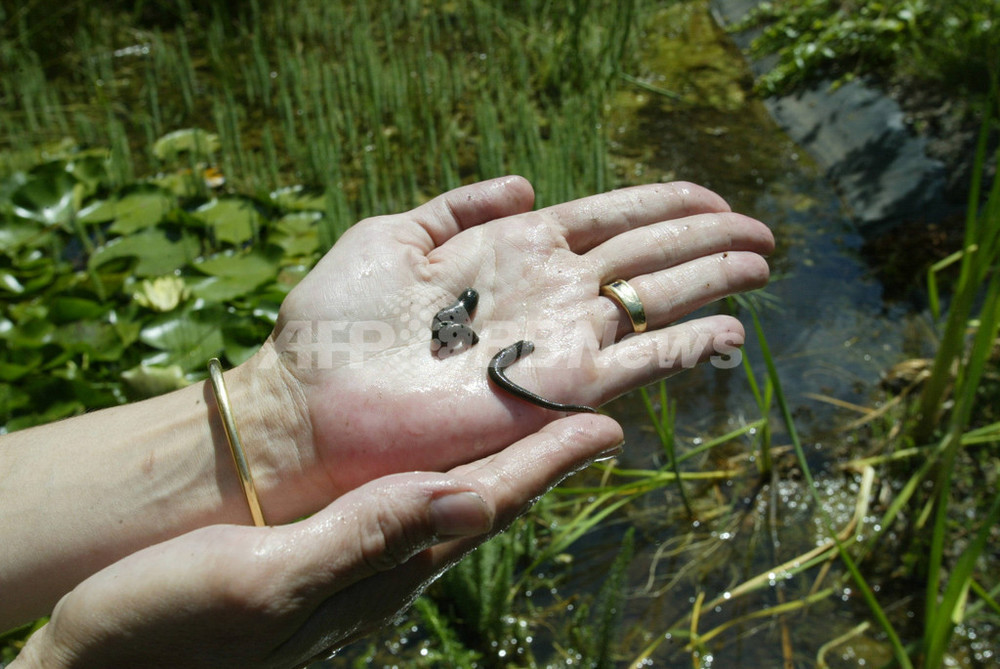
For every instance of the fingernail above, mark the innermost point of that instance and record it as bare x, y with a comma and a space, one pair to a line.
460, 514
612, 452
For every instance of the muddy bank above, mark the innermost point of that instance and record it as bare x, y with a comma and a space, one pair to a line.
861, 138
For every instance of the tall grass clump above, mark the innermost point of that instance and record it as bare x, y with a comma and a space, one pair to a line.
932, 461
967, 344
973, 302
388, 102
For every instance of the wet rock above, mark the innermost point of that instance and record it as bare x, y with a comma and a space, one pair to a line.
858, 135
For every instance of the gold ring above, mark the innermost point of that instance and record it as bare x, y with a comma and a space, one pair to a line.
621, 292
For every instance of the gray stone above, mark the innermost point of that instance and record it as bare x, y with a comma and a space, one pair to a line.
857, 134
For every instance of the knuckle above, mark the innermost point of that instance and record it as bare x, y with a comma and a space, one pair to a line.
388, 539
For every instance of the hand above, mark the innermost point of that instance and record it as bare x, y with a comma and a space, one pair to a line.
228, 595
353, 339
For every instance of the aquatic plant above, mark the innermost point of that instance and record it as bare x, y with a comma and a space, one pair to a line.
294, 122
328, 95
954, 45
975, 303
98, 282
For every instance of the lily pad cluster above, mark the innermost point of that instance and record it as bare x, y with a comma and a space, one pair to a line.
113, 294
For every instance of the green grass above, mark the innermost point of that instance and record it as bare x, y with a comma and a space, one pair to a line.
385, 102
975, 305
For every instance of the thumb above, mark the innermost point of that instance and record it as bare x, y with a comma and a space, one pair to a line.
382, 524
369, 531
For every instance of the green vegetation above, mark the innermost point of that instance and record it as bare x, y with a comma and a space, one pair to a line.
118, 294
952, 45
166, 181
380, 105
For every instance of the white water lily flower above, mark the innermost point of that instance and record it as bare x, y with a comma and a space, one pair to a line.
163, 293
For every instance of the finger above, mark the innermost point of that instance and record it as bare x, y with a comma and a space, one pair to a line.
670, 294
381, 524
517, 476
530, 467
642, 359
662, 245
508, 482
468, 206
587, 222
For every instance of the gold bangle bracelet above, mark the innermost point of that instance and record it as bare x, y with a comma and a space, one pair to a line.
233, 437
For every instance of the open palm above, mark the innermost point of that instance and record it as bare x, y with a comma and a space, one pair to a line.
379, 398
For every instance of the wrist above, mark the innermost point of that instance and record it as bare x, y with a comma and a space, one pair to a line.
272, 415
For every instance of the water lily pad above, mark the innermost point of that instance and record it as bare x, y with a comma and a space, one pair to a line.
12, 397
194, 141
184, 338
17, 365
267, 311
50, 197
30, 333
7, 187
100, 340
9, 283
220, 288
40, 153
58, 397
90, 169
34, 270
16, 234
64, 309
233, 220
184, 183
299, 198
243, 336
233, 275
258, 265
155, 253
298, 233
98, 211
142, 208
